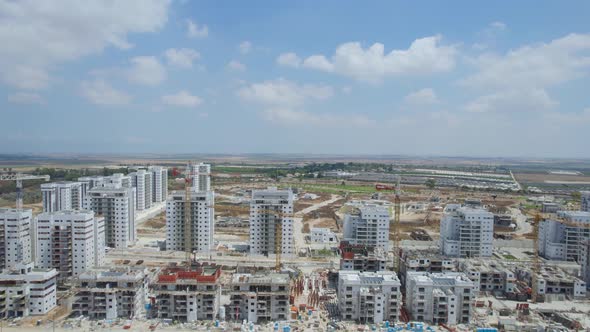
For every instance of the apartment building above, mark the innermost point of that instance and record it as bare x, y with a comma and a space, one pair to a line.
585, 260
368, 225
63, 195
585, 201
111, 294
561, 238
202, 220
187, 296
72, 242
323, 235
201, 174
425, 260
439, 298
141, 180
489, 276
552, 281
117, 205
369, 297
15, 237
259, 297
271, 213
28, 291
361, 258
466, 232
159, 183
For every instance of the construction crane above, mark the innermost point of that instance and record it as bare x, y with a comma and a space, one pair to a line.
278, 228
396, 219
536, 258
187, 220
396, 226
8, 175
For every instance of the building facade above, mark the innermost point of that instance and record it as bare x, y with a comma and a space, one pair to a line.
561, 239
16, 228
28, 291
489, 276
111, 294
72, 242
142, 182
117, 206
187, 296
202, 225
159, 183
369, 297
466, 232
368, 225
361, 258
585, 201
426, 260
201, 175
323, 235
260, 297
439, 297
64, 195
271, 211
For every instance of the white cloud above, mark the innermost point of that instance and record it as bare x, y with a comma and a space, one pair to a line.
146, 70
289, 60
102, 93
245, 47
284, 93
513, 101
318, 62
287, 116
195, 30
425, 96
571, 118
182, 99
40, 34
236, 66
26, 98
182, 57
498, 25
424, 56
534, 66
282, 101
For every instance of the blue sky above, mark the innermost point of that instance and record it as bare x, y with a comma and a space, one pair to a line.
464, 78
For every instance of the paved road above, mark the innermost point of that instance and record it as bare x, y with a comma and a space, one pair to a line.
522, 226
298, 235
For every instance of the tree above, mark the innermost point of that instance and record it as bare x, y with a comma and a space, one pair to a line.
577, 196
430, 183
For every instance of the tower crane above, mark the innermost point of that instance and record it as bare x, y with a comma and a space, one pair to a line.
396, 226
536, 258
188, 209
278, 228
396, 219
7, 174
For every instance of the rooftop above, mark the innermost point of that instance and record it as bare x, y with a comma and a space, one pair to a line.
261, 278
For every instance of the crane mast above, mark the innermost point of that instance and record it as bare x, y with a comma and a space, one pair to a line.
8, 175
536, 259
396, 226
188, 209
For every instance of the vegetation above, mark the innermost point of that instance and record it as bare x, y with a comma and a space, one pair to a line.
71, 174
430, 183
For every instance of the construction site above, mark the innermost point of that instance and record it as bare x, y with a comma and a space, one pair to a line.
338, 275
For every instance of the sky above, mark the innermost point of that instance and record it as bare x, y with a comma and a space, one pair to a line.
460, 78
